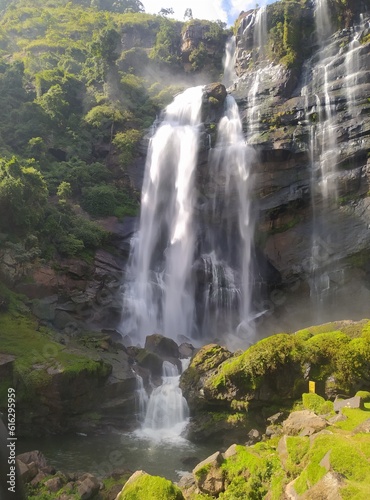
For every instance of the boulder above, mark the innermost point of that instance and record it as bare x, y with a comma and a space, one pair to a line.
162, 346
354, 402
364, 427
216, 90
142, 485
87, 486
186, 350
150, 361
209, 476
303, 423
54, 484
34, 456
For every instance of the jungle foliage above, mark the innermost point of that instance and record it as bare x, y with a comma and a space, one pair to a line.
80, 83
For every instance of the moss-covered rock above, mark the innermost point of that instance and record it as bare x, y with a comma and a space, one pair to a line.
142, 485
275, 372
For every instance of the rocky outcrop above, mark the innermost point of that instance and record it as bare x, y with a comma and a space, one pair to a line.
224, 389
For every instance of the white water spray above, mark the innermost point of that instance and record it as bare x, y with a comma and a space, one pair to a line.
167, 410
159, 290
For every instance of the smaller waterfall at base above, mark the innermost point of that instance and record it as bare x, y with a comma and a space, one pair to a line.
167, 410
141, 397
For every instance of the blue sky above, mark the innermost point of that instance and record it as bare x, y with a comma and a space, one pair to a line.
226, 10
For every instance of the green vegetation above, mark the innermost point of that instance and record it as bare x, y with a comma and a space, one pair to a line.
37, 354
146, 486
79, 86
317, 404
335, 355
252, 473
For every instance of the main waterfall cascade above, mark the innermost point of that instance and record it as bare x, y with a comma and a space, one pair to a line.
190, 265
158, 294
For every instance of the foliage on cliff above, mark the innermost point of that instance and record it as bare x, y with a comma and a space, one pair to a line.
291, 26
80, 83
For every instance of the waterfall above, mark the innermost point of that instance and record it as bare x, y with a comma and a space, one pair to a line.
231, 160
158, 295
167, 410
330, 81
190, 271
229, 62
141, 398
322, 20
260, 32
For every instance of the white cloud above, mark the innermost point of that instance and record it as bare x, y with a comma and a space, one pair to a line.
238, 5
202, 9
225, 10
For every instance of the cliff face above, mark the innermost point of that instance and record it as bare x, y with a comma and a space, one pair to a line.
301, 119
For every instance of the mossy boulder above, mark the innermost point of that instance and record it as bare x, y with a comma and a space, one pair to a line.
275, 372
207, 359
142, 485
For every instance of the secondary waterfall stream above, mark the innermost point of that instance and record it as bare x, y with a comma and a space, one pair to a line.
327, 91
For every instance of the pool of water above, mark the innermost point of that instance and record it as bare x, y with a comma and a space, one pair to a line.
102, 454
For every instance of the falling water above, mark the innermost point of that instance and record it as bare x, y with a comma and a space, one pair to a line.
229, 62
329, 87
227, 258
260, 32
141, 397
158, 295
167, 410
322, 20
352, 65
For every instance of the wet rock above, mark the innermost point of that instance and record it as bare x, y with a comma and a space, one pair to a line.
150, 361
186, 350
216, 90
163, 346
33, 456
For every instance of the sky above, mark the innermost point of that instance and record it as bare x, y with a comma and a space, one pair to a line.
225, 10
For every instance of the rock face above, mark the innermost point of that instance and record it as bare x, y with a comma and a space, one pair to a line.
283, 109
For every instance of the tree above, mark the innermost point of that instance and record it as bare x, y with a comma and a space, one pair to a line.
166, 11
23, 196
188, 14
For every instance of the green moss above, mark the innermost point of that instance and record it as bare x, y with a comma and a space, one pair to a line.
202, 471
37, 355
147, 486
346, 458
245, 371
252, 472
364, 395
355, 417
317, 404
297, 449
